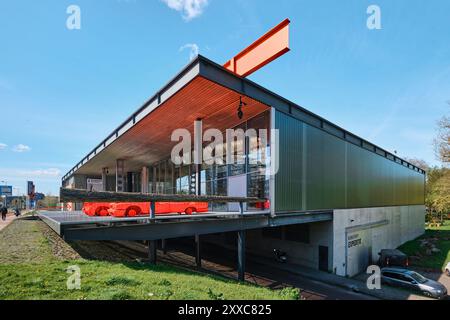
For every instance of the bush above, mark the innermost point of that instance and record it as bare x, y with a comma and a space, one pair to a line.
290, 293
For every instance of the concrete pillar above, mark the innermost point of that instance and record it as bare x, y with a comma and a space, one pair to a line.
145, 180
198, 256
241, 255
105, 179
120, 175
152, 251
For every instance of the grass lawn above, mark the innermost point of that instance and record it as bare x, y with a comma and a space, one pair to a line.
34, 262
436, 261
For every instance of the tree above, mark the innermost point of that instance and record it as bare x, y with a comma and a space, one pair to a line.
442, 141
438, 190
422, 164
438, 179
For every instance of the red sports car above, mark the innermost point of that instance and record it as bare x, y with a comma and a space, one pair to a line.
133, 209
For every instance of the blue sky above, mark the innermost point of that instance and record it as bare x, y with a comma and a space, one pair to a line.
62, 91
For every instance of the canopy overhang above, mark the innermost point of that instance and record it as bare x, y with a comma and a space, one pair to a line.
145, 138
205, 90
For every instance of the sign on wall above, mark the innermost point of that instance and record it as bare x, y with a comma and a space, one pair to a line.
6, 191
95, 185
358, 251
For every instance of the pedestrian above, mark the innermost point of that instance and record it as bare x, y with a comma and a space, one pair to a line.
17, 212
4, 212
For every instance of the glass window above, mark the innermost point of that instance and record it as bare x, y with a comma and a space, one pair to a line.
183, 180
220, 172
238, 151
392, 275
207, 172
257, 186
220, 188
418, 277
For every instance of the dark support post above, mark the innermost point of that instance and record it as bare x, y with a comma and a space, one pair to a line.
241, 208
241, 255
152, 251
164, 246
152, 210
198, 256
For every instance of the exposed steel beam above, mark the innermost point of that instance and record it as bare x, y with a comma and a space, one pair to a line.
269, 47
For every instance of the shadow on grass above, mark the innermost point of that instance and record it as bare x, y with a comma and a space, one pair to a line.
104, 251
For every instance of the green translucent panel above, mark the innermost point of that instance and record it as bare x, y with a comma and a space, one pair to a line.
288, 180
321, 171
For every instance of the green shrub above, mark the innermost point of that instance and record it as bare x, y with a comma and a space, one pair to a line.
290, 293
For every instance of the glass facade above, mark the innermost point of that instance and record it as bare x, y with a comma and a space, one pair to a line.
250, 158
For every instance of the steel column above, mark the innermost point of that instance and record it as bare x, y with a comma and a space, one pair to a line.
241, 255
164, 246
152, 251
152, 210
198, 257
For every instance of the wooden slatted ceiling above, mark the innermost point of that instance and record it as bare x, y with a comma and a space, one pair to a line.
149, 140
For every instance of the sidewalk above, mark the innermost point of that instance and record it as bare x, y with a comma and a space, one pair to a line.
9, 218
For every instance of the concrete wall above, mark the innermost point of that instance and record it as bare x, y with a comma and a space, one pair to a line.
372, 229
305, 254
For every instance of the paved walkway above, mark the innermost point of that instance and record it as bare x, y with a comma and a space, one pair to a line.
9, 218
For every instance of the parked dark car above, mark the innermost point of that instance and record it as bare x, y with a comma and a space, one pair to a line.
393, 258
413, 281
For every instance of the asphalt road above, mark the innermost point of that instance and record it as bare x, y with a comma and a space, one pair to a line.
311, 289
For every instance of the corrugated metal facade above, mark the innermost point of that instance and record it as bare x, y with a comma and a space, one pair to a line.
319, 171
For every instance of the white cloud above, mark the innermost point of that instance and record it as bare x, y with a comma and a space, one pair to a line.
3, 146
21, 148
41, 173
190, 9
28, 173
193, 50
